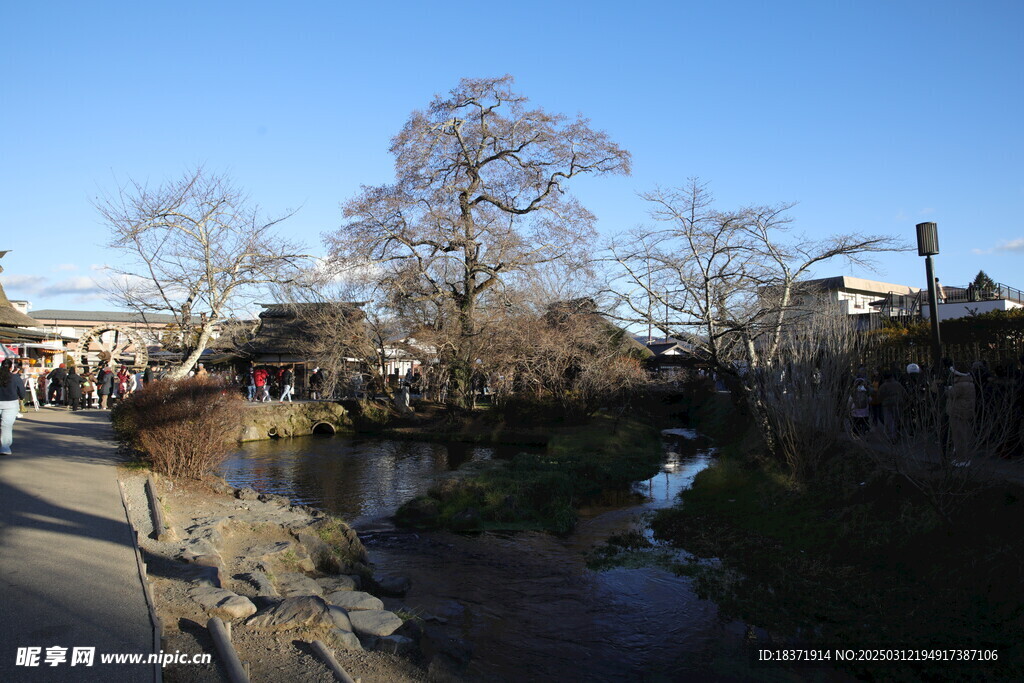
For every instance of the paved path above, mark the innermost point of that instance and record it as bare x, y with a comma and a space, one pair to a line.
68, 574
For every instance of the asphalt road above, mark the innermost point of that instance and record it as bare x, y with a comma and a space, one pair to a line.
68, 574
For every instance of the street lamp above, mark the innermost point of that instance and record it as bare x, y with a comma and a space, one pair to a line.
927, 246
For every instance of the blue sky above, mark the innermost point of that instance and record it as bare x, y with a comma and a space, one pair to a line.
873, 116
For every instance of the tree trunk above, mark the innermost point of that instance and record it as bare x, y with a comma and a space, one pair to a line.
181, 371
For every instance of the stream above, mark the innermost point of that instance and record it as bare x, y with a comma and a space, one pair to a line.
526, 603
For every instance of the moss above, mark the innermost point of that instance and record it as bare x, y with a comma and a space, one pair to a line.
542, 491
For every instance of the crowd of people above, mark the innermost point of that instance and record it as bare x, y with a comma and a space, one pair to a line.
970, 404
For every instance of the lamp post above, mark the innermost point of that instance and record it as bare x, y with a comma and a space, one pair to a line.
927, 246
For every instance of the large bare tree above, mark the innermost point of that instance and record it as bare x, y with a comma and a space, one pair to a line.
480, 193
195, 248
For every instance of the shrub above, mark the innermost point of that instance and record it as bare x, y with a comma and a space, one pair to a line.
185, 428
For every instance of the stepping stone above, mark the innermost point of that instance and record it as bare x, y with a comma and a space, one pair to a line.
355, 600
219, 602
374, 622
293, 585
292, 613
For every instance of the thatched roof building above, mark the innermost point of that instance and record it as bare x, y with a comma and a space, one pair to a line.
286, 328
9, 315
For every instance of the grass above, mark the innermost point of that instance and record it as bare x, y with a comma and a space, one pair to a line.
542, 491
856, 558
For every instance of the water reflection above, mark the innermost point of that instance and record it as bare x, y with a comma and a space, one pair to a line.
358, 480
527, 602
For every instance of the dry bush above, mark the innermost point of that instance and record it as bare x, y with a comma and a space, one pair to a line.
799, 396
944, 461
185, 428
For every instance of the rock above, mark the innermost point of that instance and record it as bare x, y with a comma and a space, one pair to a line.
292, 613
392, 585
247, 494
293, 585
323, 555
222, 603
274, 499
266, 553
330, 584
344, 640
261, 582
221, 486
421, 512
396, 645
355, 600
339, 617
374, 622
213, 565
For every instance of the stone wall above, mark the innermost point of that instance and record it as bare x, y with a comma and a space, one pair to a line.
269, 420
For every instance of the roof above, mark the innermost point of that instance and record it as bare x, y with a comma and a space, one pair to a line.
858, 284
21, 334
284, 327
12, 317
52, 314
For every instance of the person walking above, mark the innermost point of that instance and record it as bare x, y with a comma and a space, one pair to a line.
106, 386
250, 385
893, 398
32, 385
88, 389
960, 406
286, 381
55, 396
315, 381
73, 389
261, 378
12, 391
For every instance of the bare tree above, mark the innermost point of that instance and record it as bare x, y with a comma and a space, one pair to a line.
194, 248
728, 282
480, 192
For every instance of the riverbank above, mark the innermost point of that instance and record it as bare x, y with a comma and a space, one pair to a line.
541, 491
285, 575
858, 559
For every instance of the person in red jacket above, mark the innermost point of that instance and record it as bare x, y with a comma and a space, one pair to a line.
260, 377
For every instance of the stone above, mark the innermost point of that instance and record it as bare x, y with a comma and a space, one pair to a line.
374, 622
274, 499
396, 645
222, 603
345, 640
247, 493
292, 613
330, 584
269, 551
212, 564
293, 584
339, 617
392, 585
261, 582
355, 600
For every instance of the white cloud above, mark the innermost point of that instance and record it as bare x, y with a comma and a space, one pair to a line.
1012, 245
86, 288
1009, 245
23, 283
64, 267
